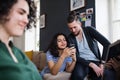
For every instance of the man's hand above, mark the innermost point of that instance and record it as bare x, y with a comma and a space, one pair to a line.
97, 69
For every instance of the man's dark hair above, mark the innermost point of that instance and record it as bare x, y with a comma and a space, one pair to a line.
72, 16
6, 5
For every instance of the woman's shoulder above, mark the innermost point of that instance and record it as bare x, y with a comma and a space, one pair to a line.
48, 53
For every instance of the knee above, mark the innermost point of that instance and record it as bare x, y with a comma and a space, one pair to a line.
80, 76
77, 77
109, 74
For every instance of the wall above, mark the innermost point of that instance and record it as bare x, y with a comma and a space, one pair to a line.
56, 12
20, 42
89, 17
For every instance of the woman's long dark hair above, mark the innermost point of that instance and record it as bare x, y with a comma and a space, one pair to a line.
53, 47
6, 5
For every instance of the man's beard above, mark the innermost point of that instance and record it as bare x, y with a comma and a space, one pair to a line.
77, 34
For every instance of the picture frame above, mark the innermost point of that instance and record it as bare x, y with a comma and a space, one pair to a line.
89, 11
76, 4
42, 21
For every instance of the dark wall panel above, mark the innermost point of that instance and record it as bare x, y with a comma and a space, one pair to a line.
56, 12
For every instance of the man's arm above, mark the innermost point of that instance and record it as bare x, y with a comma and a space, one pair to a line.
101, 39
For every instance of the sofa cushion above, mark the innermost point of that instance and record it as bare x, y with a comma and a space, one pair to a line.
29, 54
39, 59
59, 76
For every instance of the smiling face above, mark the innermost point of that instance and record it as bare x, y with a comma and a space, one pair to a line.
18, 19
61, 42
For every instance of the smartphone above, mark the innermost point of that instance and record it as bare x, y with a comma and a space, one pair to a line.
72, 45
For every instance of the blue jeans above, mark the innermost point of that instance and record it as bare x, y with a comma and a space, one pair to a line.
80, 71
109, 74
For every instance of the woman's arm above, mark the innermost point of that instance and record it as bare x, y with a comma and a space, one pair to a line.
70, 66
55, 67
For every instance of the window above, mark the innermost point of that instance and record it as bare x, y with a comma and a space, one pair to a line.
115, 19
32, 35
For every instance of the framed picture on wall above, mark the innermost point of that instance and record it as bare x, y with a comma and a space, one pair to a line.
76, 4
42, 21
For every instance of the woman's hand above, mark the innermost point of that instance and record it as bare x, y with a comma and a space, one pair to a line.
71, 65
66, 52
73, 53
69, 52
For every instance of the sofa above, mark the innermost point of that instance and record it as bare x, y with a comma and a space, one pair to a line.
38, 58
